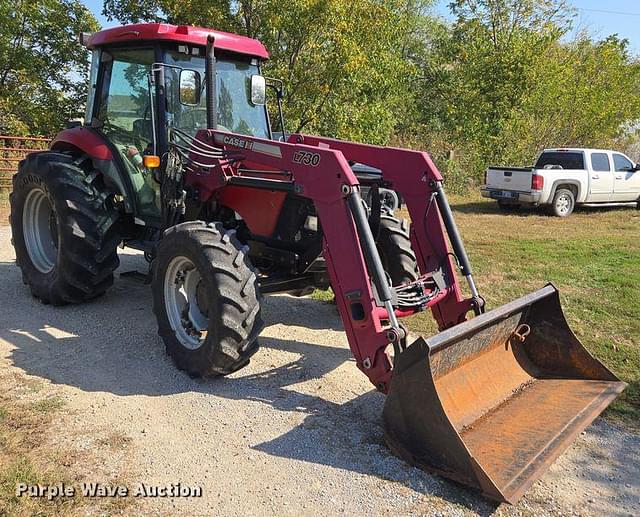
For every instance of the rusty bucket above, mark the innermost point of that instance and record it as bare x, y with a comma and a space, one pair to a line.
493, 401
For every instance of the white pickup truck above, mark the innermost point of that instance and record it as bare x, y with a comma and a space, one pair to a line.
564, 178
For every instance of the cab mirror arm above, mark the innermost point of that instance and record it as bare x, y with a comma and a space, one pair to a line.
278, 86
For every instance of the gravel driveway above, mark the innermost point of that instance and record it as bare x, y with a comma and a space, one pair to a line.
297, 432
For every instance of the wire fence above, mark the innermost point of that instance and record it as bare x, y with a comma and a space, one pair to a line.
13, 149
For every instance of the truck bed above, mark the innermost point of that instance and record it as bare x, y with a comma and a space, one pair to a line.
516, 179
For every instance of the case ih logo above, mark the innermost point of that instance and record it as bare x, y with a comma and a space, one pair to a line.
237, 142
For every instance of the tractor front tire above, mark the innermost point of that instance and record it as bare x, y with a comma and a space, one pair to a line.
206, 299
63, 226
394, 247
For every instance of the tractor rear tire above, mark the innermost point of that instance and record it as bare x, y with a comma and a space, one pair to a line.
206, 299
63, 227
394, 247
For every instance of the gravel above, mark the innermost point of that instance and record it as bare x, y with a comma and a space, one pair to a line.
296, 432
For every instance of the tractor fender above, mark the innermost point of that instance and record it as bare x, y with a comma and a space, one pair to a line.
86, 140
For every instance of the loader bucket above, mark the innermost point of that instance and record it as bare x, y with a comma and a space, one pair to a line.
478, 405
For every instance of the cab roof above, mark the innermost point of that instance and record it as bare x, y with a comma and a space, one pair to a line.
164, 32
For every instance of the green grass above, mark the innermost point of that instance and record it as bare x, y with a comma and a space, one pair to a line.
24, 458
18, 470
48, 405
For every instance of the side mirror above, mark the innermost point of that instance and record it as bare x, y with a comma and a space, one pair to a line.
190, 87
258, 90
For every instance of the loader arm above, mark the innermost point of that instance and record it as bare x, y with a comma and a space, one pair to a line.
319, 170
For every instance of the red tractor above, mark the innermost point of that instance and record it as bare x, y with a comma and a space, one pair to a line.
177, 158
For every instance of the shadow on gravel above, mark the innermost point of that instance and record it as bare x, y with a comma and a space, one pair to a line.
488, 208
111, 345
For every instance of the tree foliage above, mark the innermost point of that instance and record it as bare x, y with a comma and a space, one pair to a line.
498, 84
344, 63
502, 83
42, 64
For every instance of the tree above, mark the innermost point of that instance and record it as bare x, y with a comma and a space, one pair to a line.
496, 86
342, 61
501, 84
585, 94
42, 64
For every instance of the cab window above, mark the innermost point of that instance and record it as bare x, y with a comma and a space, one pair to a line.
124, 116
621, 163
563, 159
600, 162
236, 113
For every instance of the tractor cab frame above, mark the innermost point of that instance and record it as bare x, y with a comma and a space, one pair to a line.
139, 89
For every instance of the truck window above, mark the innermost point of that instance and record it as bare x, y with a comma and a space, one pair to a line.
565, 160
621, 163
600, 162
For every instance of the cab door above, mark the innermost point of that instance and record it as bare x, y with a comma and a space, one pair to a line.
123, 115
626, 186
600, 177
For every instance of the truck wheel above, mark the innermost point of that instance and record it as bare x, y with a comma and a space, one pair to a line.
206, 299
394, 246
63, 228
563, 203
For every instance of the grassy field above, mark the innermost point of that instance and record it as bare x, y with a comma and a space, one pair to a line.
592, 257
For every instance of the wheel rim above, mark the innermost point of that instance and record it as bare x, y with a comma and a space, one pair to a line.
186, 303
388, 199
40, 231
563, 203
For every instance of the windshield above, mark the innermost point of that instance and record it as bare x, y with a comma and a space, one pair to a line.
233, 87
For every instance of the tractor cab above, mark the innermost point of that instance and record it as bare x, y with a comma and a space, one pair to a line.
147, 79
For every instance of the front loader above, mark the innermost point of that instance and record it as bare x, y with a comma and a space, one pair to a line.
177, 158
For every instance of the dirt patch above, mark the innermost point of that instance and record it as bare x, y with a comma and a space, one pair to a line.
42, 446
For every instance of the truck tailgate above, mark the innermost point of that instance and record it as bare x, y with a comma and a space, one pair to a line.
509, 178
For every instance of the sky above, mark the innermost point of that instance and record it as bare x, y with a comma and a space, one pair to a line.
600, 18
